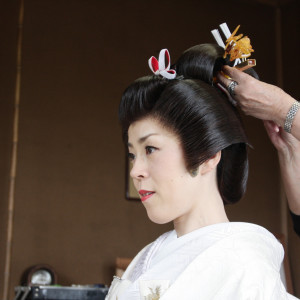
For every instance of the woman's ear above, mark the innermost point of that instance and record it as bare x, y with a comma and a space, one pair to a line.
210, 164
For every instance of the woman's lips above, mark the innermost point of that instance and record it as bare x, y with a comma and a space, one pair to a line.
145, 194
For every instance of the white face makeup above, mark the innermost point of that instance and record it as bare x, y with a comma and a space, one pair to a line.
166, 188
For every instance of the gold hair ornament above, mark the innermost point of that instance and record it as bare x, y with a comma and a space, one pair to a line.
237, 48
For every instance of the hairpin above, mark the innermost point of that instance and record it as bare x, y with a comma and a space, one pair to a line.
159, 67
238, 48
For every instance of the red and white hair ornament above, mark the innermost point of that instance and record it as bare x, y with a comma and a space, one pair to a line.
162, 65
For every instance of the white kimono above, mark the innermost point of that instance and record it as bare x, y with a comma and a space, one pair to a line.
221, 261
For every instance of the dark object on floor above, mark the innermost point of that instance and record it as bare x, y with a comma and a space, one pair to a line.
60, 293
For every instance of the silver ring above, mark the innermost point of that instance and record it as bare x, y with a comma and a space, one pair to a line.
231, 87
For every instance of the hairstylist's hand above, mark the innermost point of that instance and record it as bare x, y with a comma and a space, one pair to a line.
286, 144
256, 98
288, 148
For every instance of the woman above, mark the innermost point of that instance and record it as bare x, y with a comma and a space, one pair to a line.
189, 157
271, 104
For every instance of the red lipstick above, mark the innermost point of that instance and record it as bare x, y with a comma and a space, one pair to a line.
145, 194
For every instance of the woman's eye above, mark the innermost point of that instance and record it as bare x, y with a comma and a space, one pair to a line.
150, 149
131, 156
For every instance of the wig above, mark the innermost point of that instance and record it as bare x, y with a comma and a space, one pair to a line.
198, 113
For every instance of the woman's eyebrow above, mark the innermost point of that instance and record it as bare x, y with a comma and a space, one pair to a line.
142, 139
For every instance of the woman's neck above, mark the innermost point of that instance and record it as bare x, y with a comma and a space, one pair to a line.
210, 210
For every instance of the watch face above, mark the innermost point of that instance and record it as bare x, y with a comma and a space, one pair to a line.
41, 277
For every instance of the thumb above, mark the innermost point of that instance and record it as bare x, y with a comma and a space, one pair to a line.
271, 126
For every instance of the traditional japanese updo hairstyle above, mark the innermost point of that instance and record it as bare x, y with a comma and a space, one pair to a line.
198, 113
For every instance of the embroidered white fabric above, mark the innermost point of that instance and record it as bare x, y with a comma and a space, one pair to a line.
143, 264
221, 260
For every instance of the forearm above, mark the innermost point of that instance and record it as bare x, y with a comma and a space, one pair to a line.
290, 173
260, 99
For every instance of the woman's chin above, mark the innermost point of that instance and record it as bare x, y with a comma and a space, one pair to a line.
158, 218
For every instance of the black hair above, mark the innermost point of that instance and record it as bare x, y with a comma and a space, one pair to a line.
203, 62
199, 114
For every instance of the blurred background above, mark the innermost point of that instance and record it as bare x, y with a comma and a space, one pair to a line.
68, 62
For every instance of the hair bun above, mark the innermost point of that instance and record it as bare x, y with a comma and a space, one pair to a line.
201, 62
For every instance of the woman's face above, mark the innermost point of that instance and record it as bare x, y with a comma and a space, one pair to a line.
165, 186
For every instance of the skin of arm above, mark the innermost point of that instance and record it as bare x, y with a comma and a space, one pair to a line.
288, 148
261, 100
271, 104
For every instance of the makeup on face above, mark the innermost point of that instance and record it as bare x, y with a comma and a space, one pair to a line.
159, 171
145, 194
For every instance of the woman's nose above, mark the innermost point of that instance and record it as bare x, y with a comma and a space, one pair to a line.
139, 169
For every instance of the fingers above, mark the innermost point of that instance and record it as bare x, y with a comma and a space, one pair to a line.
242, 79
268, 127
228, 75
274, 135
224, 86
223, 80
271, 126
234, 73
225, 91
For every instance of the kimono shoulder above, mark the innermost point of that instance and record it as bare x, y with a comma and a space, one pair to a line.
243, 265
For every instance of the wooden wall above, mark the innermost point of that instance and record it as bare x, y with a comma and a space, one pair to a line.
77, 58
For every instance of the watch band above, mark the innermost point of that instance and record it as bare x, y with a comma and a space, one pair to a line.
290, 116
